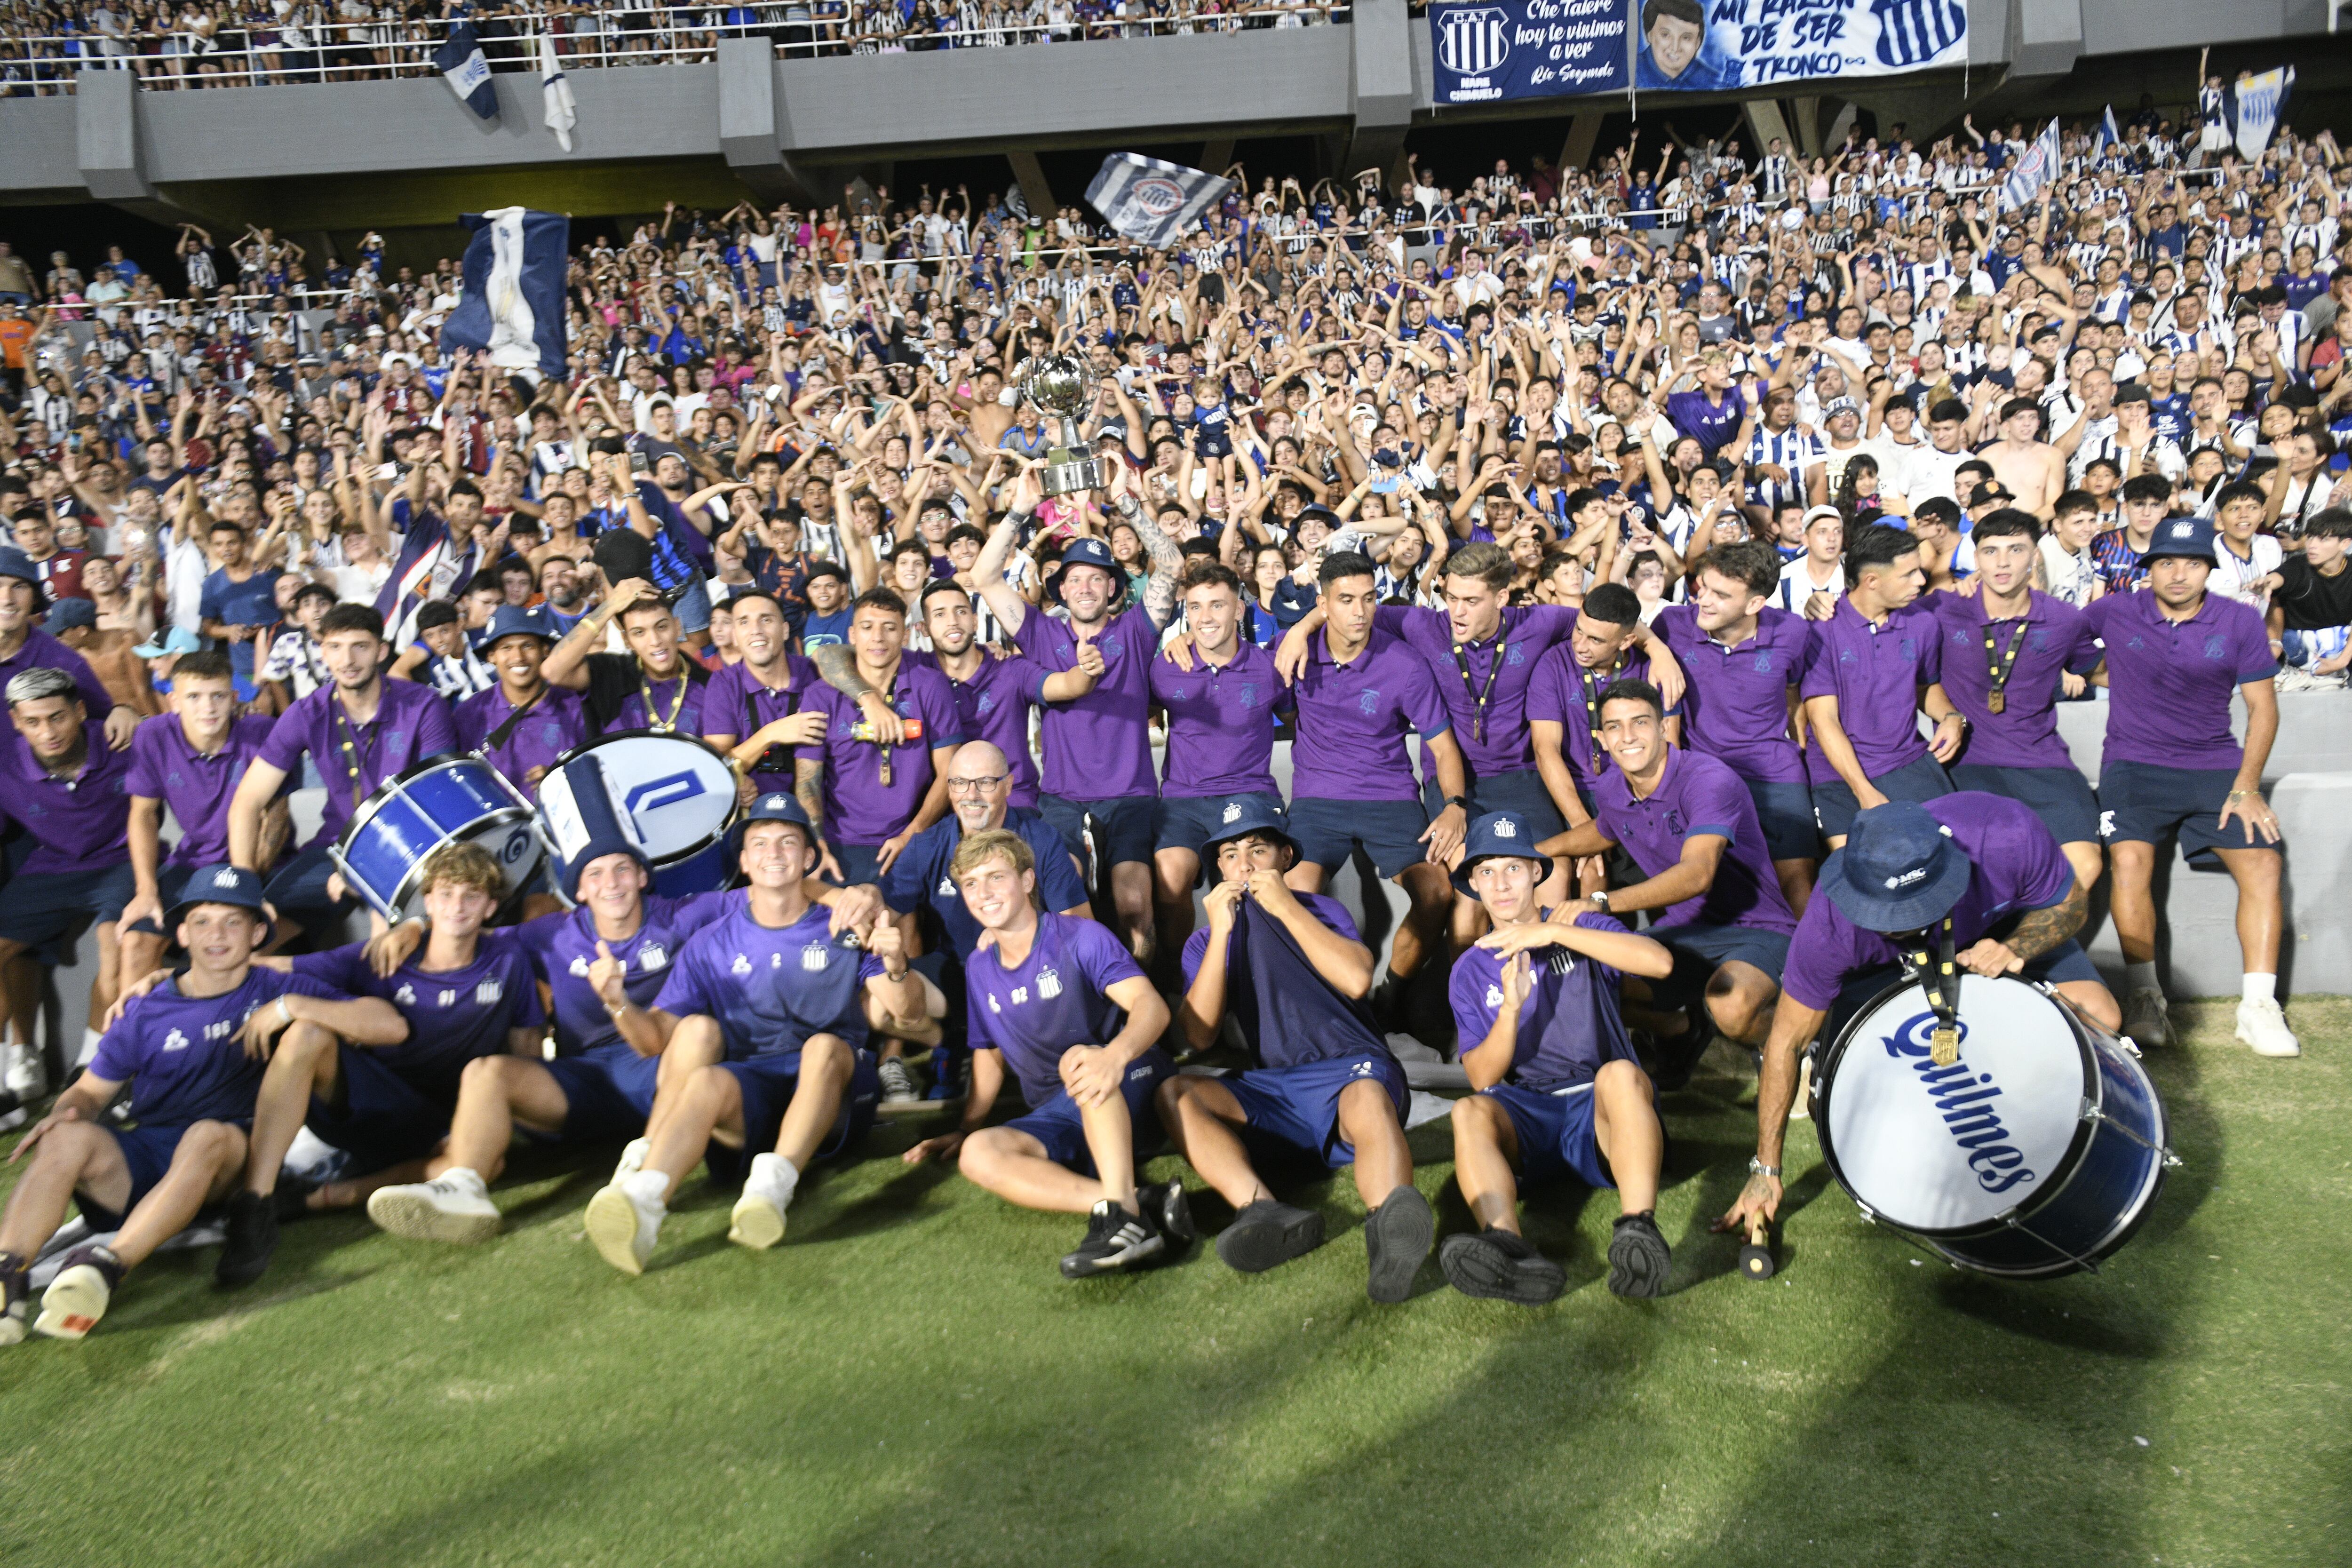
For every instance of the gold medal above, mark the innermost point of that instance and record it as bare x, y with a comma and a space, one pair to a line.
1998, 701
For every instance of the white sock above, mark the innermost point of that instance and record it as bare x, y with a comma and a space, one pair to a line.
775, 1176
632, 1157
2261, 987
648, 1188
2140, 976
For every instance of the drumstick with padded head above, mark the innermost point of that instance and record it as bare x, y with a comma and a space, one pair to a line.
1755, 1258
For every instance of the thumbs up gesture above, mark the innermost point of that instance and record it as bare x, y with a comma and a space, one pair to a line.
1089, 657
606, 975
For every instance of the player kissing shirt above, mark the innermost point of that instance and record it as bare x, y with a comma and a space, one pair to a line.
1287, 1012
1055, 998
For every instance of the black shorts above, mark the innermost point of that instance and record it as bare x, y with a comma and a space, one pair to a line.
1834, 807
1328, 832
1123, 829
2145, 804
2061, 797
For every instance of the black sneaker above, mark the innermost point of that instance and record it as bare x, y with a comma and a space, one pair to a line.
1396, 1240
1115, 1239
1678, 1055
252, 1239
1638, 1256
291, 1198
1169, 1212
1497, 1265
16, 1299
1269, 1232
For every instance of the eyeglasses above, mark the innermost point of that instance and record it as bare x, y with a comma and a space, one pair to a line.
973, 786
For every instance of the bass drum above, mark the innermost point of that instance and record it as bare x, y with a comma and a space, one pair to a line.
673, 797
447, 799
2036, 1153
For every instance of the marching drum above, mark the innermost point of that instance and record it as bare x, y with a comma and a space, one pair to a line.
2038, 1153
448, 799
673, 797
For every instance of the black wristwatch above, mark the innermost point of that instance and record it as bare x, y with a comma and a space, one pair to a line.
1461, 801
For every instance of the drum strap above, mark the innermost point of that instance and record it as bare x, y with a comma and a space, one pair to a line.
499, 737
1938, 973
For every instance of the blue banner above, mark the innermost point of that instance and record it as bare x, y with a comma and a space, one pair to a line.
1528, 48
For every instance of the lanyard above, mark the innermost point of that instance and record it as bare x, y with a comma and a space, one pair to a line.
657, 724
1592, 686
1469, 684
2000, 664
1938, 973
347, 742
890, 699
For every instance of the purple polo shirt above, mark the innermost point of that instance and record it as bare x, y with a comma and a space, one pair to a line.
2168, 686
994, 706
2024, 733
549, 728
411, 723
42, 652
1697, 796
1566, 694
736, 701
858, 807
2017, 865
563, 946
1056, 997
1352, 720
1709, 424
1569, 1026
195, 788
1736, 700
1876, 673
1522, 638
78, 825
1220, 723
1098, 747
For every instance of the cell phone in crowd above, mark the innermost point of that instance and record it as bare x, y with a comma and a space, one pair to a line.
638, 464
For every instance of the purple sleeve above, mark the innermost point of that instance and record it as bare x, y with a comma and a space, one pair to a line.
1548, 690
1196, 948
1333, 913
1471, 1017
344, 968
1819, 955
143, 778
2099, 611
522, 988
979, 1028
2043, 875
1820, 664
684, 990
1393, 619
300, 984
691, 913
1033, 678
286, 741
942, 723
434, 732
1711, 804
1423, 708
121, 1049
1042, 638
1931, 647
1103, 957
2254, 651
2083, 654
1591, 920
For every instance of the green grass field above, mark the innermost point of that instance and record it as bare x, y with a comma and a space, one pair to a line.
908, 1381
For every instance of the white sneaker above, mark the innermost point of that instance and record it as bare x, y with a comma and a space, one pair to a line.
2147, 1019
76, 1300
2263, 1025
26, 1076
455, 1206
758, 1220
633, 1160
624, 1228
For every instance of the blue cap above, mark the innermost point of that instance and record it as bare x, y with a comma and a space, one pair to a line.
178, 640
2186, 536
220, 885
1241, 816
67, 613
515, 621
1899, 870
1496, 836
776, 805
597, 849
15, 563
1088, 552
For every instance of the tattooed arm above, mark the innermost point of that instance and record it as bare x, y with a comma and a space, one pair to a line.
1166, 561
838, 666
2038, 930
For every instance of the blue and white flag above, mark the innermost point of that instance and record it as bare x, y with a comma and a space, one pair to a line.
555, 93
2107, 137
2255, 106
461, 64
1150, 202
513, 304
2034, 168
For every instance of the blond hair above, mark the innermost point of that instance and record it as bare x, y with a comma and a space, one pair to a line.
466, 865
978, 849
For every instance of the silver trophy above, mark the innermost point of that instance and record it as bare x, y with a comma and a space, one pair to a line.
1063, 387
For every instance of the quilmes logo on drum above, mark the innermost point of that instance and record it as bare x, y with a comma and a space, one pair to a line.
1964, 1098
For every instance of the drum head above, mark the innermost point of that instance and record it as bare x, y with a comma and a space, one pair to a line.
1948, 1150
675, 795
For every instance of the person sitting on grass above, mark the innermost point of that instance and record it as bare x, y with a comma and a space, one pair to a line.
1289, 969
1060, 1000
781, 998
195, 1048
1559, 1093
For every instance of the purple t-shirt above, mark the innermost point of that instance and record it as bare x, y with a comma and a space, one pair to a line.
1876, 673
42, 652
1353, 717
2016, 864
195, 788
994, 706
2168, 686
412, 722
182, 1055
1099, 746
77, 825
1220, 723
1698, 795
736, 701
771, 987
2024, 733
859, 808
454, 1015
562, 945
1569, 1026
1709, 423
1525, 634
552, 726
1054, 999
1287, 1012
1736, 700
1566, 694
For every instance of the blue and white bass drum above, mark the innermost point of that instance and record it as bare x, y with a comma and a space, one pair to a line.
2036, 1153
671, 795
447, 799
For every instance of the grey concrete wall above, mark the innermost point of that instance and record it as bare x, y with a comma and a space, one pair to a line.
39, 146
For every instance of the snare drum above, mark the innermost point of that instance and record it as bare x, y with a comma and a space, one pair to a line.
442, 800
673, 795
2038, 1153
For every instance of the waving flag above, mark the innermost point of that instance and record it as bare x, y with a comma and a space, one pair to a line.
2255, 106
1150, 202
2107, 137
2034, 168
461, 64
555, 90
513, 304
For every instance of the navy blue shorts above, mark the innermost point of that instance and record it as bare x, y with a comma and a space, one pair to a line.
1700, 950
608, 1092
1188, 821
1521, 790
2141, 802
1835, 807
300, 888
2062, 964
860, 863
1301, 1105
171, 882
1328, 832
384, 1120
1060, 1125
1785, 807
41, 907
1555, 1134
767, 1084
147, 1150
1123, 828
2061, 797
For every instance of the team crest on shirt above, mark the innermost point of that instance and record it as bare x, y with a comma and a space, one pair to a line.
405, 996
1049, 983
1368, 700
992, 1006
653, 955
986, 704
1178, 693
1109, 646
1249, 694
741, 966
1232, 811
176, 1041
488, 993
1516, 657
1764, 662
814, 956
2216, 646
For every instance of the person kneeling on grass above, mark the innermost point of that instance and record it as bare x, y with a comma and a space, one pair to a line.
1061, 1001
1288, 968
783, 996
1558, 1091
195, 1048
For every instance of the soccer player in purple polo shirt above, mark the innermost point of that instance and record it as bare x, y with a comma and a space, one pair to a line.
995, 694
1873, 669
756, 709
524, 722
2171, 768
1563, 705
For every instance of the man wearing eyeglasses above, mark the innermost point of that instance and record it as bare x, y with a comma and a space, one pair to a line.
920, 890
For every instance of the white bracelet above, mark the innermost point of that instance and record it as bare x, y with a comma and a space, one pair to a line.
285, 1013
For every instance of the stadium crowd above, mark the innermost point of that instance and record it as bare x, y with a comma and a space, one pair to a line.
1701, 514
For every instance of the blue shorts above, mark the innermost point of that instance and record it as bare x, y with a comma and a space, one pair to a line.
2061, 797
1521, 790
1123, 828
608, 1092
693, 607
41, 907
1555, 1134
384, 1120
767, 1084
1060, 1126
300, 888
1700, 950
1785, 807
171, 882
1299, 1105
2062, 964
2141, 802
1189, 821
1330, 831
860, 863
1835, 807
147, 1150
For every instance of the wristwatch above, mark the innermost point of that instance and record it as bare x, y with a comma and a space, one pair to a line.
1757, 1167
1463, 800
1600, 899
